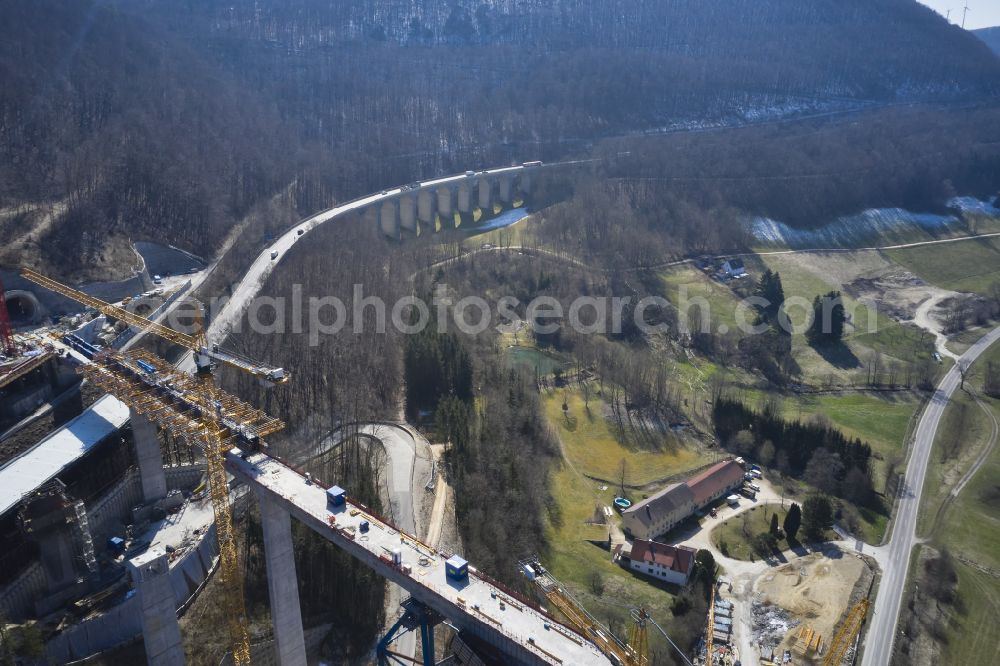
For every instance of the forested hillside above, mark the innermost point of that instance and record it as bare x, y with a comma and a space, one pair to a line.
167, 121
991, 36
124, 132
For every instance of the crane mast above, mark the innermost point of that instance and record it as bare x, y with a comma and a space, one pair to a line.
847, 634
204, 354
195, 410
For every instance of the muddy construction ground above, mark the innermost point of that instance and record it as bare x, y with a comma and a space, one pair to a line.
811, 593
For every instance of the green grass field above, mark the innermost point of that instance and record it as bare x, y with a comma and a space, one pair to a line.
700, 297
805, 276
731, 536
878, 417
972, 265
593, 448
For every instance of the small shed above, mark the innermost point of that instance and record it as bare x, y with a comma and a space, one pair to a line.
336, 495
456, 568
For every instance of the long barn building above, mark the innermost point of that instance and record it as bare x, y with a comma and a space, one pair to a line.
666, 509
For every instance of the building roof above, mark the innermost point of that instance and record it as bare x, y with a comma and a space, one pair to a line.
696, 490
675, 558
715, 479
61, 449
666, 501
735, 263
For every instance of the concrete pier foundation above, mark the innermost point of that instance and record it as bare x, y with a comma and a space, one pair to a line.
425, 208
149, 457
160, 631
389, 219
408, 213
486, 194
282, 583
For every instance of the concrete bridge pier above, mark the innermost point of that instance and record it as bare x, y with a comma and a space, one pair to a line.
446, 207
506, 189
149, 457
161, 634
465, 197
408, 212
524, 183
389, 219
282, 583
486, 195
370, 216
425, 209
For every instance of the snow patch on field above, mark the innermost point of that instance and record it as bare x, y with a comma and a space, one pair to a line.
974, 205
848, 230
866, 228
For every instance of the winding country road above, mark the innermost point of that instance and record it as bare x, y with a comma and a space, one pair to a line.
882, 625
404, 448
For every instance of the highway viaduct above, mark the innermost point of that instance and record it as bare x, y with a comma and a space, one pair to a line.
475, 604
415, 208
520, 629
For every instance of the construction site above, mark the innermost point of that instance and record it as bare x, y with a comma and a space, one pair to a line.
116, 520
126, 510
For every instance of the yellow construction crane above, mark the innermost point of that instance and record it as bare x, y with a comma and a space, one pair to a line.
847, 634
204, 355
194, 409
635, 652
638, 637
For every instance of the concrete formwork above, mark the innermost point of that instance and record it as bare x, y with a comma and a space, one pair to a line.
161, 634
486, 194
408, 212
389, 218
149, 457
282, 583
425, 207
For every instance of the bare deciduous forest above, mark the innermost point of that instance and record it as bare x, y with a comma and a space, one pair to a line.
165, 121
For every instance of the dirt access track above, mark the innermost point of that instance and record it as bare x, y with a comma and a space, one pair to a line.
816, 590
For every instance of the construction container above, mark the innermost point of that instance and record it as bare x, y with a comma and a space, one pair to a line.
397, 556
336, 495
456, 568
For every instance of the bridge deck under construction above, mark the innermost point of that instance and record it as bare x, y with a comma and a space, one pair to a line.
475, 604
